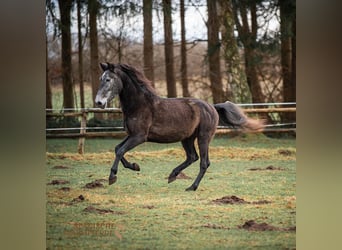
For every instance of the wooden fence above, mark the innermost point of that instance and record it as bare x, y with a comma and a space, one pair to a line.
118, 132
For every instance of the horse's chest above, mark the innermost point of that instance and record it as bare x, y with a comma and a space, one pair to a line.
137, 124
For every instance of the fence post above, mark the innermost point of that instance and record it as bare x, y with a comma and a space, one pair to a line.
81, 140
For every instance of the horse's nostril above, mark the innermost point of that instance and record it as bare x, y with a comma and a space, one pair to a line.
99, 103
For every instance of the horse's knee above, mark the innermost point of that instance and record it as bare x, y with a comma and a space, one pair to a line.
204, 164
194, 157
119, 153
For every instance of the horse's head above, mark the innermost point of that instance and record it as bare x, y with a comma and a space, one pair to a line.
110, 85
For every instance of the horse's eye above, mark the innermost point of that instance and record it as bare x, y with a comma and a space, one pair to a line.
107, 80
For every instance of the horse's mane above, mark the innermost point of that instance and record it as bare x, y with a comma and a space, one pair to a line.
138, 78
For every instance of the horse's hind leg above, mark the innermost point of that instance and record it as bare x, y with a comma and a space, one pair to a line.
191, 156
203, 144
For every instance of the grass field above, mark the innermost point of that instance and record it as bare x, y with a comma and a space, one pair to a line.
255, 174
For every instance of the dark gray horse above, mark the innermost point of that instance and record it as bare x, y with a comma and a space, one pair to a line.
148, 117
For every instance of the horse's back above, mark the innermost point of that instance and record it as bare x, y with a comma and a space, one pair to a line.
175, 119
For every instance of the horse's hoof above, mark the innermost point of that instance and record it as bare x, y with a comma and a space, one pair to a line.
191, 188
111, 180
171, 179
136, 167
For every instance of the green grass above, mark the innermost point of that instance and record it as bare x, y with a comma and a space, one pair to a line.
108, 144
149, 213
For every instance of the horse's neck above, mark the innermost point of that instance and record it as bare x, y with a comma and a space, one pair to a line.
131, 99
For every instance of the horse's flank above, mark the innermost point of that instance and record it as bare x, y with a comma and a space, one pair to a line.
185, 115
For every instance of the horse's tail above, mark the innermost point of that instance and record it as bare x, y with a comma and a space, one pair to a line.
232, 115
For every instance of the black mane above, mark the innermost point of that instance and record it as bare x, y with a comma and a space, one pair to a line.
139, 79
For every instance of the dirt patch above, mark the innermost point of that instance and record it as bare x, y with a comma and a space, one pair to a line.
260, 202
267, 168
251, 225
236, 200
60, 167
149, 206
213, 226
286, 152
92, 209
78, 199
95, 184
230, 200
66, 189
183, 176
58, 182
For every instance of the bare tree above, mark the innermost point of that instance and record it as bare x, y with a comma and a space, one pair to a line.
68, 93
168, 50
236, 89
80, 53
294, 74
48, 104
93, 7
248, 34
184, 67
148, 40
288, 51
214, 53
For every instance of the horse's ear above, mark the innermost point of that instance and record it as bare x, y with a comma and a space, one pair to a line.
110, 66
104, 66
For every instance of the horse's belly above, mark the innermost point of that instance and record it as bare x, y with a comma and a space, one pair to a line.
168, 134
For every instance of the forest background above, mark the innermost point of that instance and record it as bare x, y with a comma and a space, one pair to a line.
216, 50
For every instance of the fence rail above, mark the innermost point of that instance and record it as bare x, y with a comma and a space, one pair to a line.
118, 132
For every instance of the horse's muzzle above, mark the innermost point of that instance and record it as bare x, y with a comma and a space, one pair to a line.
101, 103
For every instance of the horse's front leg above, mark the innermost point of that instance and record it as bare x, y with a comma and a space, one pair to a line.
129, 143
126, 163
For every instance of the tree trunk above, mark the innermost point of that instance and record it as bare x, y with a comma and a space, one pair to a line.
168, 49
94, 57
183, 69
292, 96
47, 82
148, 41
293, 64
288, 53
214, 53
237, 89
68, 93
247, 35
252, 76
80, 53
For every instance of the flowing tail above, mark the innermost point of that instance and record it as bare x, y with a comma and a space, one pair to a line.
232, 115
